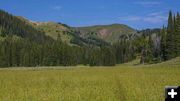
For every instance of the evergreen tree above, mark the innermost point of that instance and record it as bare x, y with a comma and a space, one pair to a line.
108, 56
170, 45
149, 51
163, 44
177, 34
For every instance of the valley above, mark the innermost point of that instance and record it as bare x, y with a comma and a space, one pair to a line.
125, 82
122, 51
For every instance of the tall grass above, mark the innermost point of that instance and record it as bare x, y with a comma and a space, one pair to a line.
120, 83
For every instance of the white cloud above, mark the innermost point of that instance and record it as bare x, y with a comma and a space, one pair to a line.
57, 8
147, 3
153, 18
158, 13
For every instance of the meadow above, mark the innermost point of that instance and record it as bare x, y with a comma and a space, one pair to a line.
120, 83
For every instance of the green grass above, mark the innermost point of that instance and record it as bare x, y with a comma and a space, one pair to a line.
121, 83
53, 29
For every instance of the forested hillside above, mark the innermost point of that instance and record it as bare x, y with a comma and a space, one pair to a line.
12, 25
68, 34
24, 43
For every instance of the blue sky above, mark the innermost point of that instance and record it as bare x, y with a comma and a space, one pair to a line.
138, 14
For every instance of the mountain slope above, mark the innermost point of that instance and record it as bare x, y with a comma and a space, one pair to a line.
41, 31
110, 33
12, 25
68, 34
53, 29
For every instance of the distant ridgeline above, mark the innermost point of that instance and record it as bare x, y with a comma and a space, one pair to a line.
26, 43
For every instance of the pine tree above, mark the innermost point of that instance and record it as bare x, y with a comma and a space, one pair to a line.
177, 34
108, 56
170, 35
149, 50
3, 61
163, 44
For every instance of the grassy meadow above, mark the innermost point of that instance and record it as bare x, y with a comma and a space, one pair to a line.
120, 83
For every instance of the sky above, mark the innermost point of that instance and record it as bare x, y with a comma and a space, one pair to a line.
138, 14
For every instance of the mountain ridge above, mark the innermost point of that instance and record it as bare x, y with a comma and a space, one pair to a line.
110, 33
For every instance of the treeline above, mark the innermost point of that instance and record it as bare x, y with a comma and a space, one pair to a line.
83, 41
171, 37
126, 49
16, 51
163, 44
151, 45
12, 25
23, 45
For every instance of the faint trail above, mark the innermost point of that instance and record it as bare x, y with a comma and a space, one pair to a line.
121, 91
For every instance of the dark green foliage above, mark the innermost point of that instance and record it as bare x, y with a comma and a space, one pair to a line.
108, 56
15, 51
83, 41
163, 45
20, 52
173, 36
177, 34
169, 45
149, 46
102, 56
125, 50
170, 35
23, 45
12, 25
95, 58
150, 52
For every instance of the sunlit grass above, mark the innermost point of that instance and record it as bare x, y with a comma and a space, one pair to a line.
120, 83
